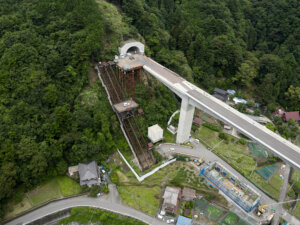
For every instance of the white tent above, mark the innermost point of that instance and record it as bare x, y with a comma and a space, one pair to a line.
155, 133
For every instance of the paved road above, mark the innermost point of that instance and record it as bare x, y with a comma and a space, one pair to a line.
282, 148
201, 99
200, 151
109, 202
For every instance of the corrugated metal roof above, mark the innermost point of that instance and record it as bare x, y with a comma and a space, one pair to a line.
184, 221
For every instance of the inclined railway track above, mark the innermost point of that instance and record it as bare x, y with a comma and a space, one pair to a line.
132, 130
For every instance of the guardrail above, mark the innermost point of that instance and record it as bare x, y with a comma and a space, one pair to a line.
40, 206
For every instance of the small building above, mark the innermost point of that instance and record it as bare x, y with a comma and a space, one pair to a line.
73, 170
89, 174
125, 109
221, 94
288, 115
237, 100
188, 194
279, 112
171, 198
140, 112
150, 145
183, 221
227, 127
231, 92
197, 121
155, 133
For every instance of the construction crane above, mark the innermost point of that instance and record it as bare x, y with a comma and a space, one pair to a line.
261, 209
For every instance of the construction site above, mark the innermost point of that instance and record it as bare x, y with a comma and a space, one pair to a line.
120, 87
218, 176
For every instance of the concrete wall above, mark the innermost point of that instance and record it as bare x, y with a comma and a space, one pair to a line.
141, 47
185, 121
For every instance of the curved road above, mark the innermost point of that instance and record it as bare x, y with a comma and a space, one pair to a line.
109, 202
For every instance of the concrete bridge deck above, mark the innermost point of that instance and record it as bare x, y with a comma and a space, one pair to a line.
204, 101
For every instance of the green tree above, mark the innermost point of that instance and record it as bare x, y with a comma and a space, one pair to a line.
293, 97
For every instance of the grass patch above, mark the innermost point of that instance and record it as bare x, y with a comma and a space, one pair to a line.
55, 188
142, 198
68, 186
235, 154
229, 219
13, 208
169, 137
213, 213
296, 211
207, 136
145, 196
87, 215
45, 192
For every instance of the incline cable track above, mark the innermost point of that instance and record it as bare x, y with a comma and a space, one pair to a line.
144, 155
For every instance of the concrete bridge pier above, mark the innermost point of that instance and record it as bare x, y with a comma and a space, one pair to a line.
278, 208
185, 121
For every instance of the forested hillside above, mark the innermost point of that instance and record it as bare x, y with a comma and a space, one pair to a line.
52, 116
47, 120
241, 44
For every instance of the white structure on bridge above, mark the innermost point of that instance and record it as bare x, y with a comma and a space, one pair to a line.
192, 97
131, 46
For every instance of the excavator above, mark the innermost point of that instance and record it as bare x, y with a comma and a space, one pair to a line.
200, 161
261, 209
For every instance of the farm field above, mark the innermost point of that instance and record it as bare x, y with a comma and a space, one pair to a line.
240, 159
58, 187
146, 196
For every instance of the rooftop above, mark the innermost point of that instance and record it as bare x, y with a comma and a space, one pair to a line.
295, 115
88, 173
184, 221
171, 195
220, 92
127, 105
188, 193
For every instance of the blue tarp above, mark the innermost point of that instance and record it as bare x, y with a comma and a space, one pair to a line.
184, 221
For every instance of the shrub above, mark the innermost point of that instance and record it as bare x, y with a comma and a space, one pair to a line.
105, 189
94, 191
223, 136
239, 160
212, 127
158, 156
114, 177
291, 193
242, 141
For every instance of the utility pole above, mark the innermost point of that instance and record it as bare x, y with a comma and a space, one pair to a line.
253, 169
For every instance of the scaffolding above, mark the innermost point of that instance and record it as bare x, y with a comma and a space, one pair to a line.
240, 193
130, 127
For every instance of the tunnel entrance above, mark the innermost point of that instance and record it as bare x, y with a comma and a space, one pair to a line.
133, 50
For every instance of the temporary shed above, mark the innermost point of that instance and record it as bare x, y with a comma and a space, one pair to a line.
237, 100
73, 170
155, 133
184, 221
188, 194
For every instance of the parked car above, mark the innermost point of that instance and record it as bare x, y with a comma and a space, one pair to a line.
170, 221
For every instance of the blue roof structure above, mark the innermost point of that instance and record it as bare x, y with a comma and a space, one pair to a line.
184, 221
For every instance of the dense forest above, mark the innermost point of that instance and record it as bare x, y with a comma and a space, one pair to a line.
53, 116
47, 120
238, 44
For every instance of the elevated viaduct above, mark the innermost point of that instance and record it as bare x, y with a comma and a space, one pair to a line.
192, 96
